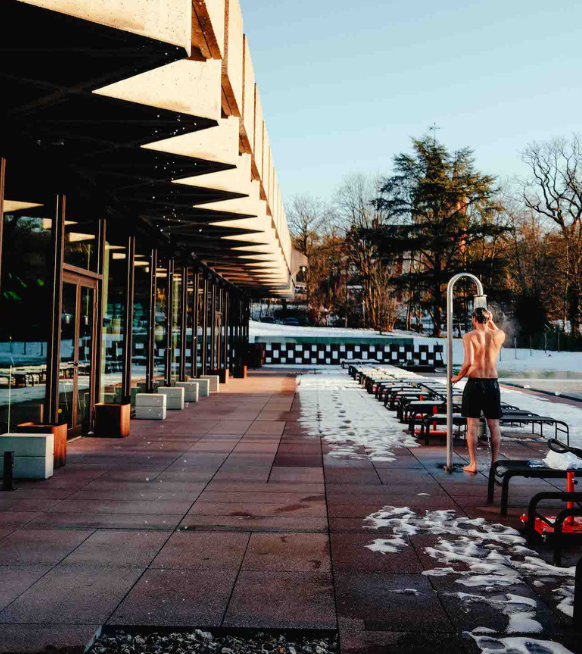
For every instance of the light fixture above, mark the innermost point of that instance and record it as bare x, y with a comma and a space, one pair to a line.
13, 205
76, 237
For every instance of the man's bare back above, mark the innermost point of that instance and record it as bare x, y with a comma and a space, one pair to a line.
481, 394
485, 346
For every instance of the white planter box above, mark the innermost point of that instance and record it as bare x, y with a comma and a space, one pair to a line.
149, 399
33, 454
214, 382
174, 397
203, 386
190, 390
150, 413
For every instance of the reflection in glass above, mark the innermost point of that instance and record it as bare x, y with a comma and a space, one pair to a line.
76, 360
114, 285
85, 357
161, 322
67, 365
176, 322
81, 242
190, 371
141, 301
24, 307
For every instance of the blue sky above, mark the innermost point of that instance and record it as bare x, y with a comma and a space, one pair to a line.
346, 83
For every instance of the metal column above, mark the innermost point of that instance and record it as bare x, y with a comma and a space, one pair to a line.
54, 335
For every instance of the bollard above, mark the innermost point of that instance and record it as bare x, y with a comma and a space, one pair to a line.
515, 346
7, 484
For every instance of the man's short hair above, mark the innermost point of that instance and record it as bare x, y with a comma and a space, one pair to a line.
481, 316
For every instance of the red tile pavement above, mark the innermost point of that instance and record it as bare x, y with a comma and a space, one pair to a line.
230, 514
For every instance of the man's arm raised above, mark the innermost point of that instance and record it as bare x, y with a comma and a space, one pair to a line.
468, 361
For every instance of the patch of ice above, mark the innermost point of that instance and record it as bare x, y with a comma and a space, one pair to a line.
515, 645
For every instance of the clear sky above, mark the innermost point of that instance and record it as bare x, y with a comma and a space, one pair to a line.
346, 83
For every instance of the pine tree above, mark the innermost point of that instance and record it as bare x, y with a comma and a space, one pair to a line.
441, 206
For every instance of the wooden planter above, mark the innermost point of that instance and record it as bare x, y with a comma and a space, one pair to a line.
239, 372
60, 438
112, 420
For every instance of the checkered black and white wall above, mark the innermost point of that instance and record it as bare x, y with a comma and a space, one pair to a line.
333, 353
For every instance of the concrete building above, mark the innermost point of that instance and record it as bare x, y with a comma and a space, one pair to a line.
140, 209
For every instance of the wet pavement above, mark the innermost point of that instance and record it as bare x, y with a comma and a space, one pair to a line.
230, 514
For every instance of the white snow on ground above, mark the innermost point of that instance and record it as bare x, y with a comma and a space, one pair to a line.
266, 329
496, 556
336, 408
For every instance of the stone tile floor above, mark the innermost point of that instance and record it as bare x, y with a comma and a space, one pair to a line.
230, 515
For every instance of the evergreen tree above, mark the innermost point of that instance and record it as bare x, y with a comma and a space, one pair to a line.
442, 206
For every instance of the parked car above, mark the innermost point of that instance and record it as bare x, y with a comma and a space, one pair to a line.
269, 319
291, 321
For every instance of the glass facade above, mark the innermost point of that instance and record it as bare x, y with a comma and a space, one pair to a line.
81, 240
64, 342
161, 322
25, 297
190, 366
115, 264
141, 306
177, 307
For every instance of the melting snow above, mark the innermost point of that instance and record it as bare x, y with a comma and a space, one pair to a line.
336, 408
489, 645
495, 556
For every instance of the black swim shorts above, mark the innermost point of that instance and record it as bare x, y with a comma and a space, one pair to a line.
481, 395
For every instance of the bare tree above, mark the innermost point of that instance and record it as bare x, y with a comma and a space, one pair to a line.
306, 216
309, 219
555, 191
360, 218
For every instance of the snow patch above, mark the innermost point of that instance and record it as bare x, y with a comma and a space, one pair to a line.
335, 408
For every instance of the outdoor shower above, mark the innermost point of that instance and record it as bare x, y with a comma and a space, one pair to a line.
479, 300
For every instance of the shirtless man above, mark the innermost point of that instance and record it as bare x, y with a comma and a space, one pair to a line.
481, 392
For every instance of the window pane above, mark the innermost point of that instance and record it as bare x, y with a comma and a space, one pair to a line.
176, 322
81, 242
141, 304
25, 297
161, 321
114, 289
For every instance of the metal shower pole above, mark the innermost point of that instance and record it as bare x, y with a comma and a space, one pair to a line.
480, 300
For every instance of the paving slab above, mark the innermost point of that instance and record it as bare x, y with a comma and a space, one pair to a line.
282, 600
111, 547
288, 553
200, 549
61, 596
35, 638
390, 602
42, 547
16, 579
351, 554
177, 598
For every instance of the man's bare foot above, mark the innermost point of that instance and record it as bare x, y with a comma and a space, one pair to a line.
470, 468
